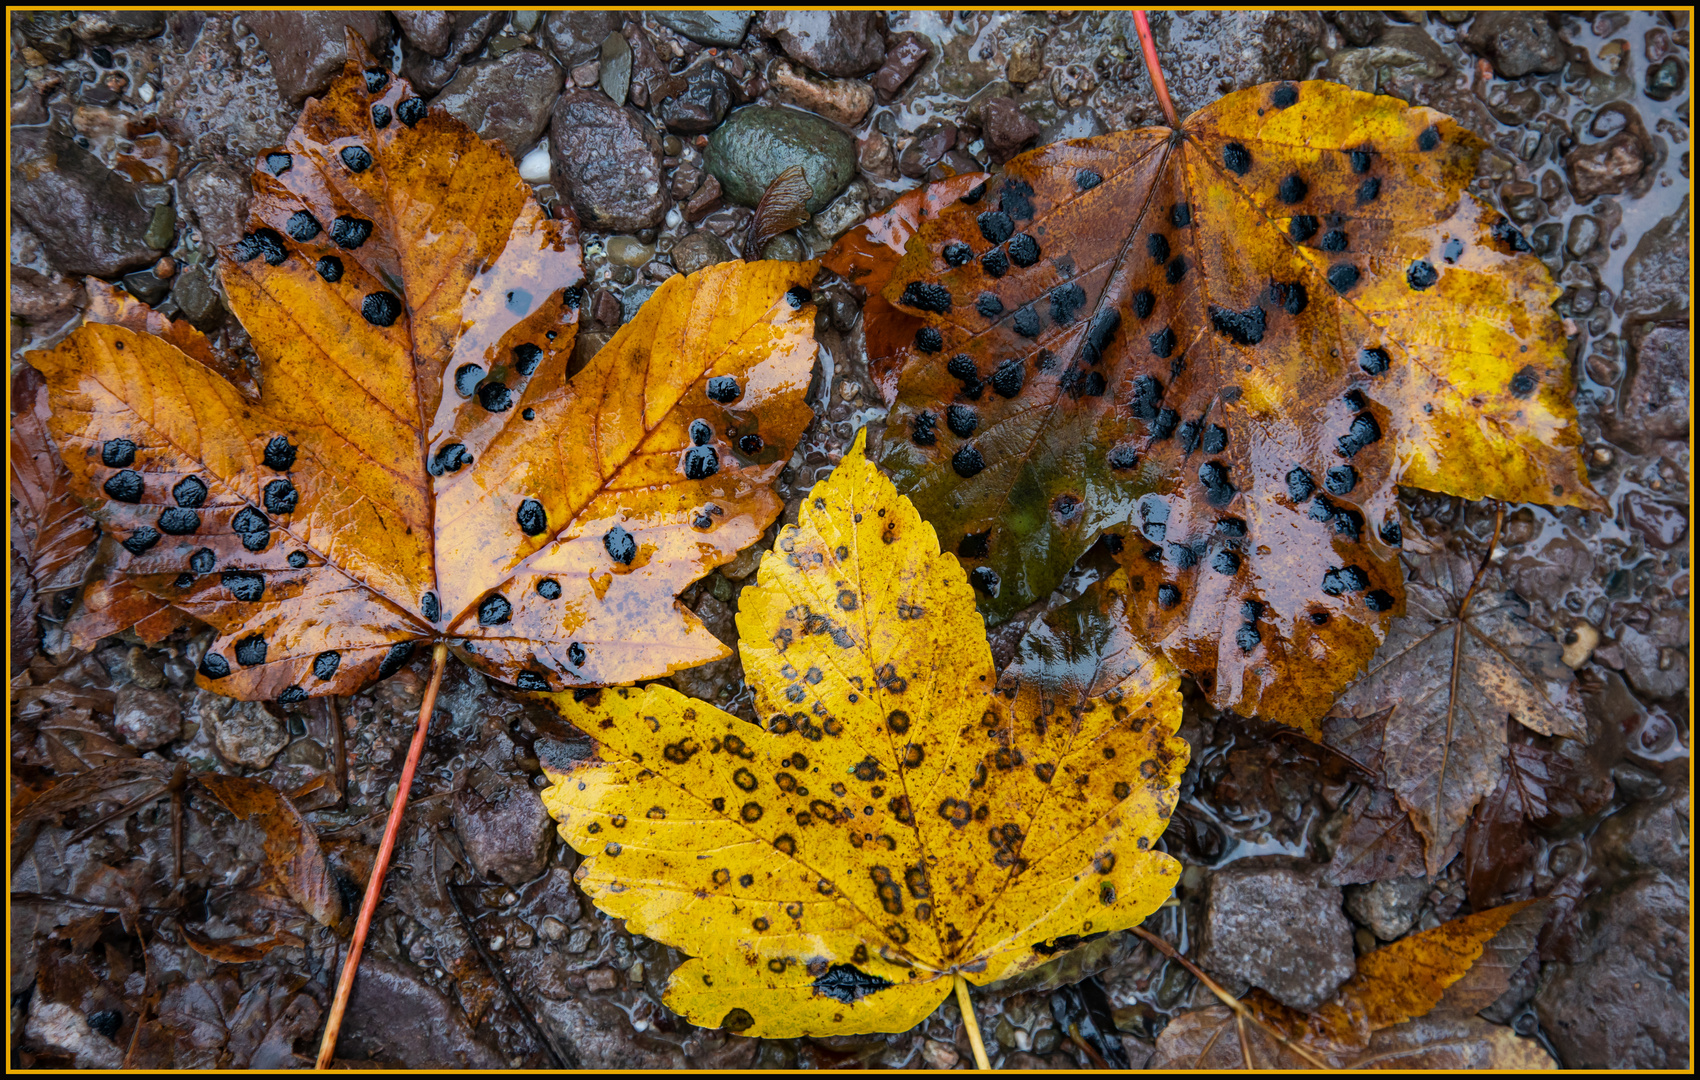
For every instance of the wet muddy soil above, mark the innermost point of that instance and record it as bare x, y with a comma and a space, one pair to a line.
133, 135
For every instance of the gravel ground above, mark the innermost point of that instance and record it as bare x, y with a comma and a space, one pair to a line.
133, 137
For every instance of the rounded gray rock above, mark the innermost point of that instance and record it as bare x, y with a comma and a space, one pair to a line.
507, 99
830, 42
607, 159
698, 250
89, 219
757, 143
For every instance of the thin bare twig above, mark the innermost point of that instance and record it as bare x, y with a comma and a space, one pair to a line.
1148, 45
375, 886
1092, 1055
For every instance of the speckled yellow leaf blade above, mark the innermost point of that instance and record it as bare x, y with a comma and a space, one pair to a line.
1407, 979
903, 818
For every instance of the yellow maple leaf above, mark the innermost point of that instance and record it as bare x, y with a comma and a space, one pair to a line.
905, 818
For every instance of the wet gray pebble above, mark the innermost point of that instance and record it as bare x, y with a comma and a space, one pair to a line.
698, 250
504, 829
1388, 908
507, 99
723, 28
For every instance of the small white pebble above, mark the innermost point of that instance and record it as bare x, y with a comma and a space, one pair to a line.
497, 942
534, 166
145, 92
508, 898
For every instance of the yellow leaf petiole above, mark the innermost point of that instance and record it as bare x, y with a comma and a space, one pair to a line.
973, 1025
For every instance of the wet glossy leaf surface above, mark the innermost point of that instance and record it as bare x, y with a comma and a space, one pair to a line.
1447, 679
418, 466
902, 818
1227, 347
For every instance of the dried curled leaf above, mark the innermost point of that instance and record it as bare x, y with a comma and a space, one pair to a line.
781, 208
291, 846
418, 467
901, 819
1450, 673
1228, 345
51, 529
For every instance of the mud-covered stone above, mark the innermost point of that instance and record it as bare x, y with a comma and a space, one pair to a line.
575, 37
505, 829
830, 42
197, 296
607, 159
118, 26
1388, 908
48, 299
146, 719
468, 31
244, 732
1400, 58
700, 105
218, 197
309, 48
757, 143
1647, 836
1359, 27
1006, 129
396, 1015
1624, 1005
427, 31
507, 98
1279, 929
90, 220
1518, 42
1653, 404
1655, 276
219, 95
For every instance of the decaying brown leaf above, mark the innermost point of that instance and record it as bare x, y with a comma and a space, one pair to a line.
50, 528
291, 844
1463, 660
